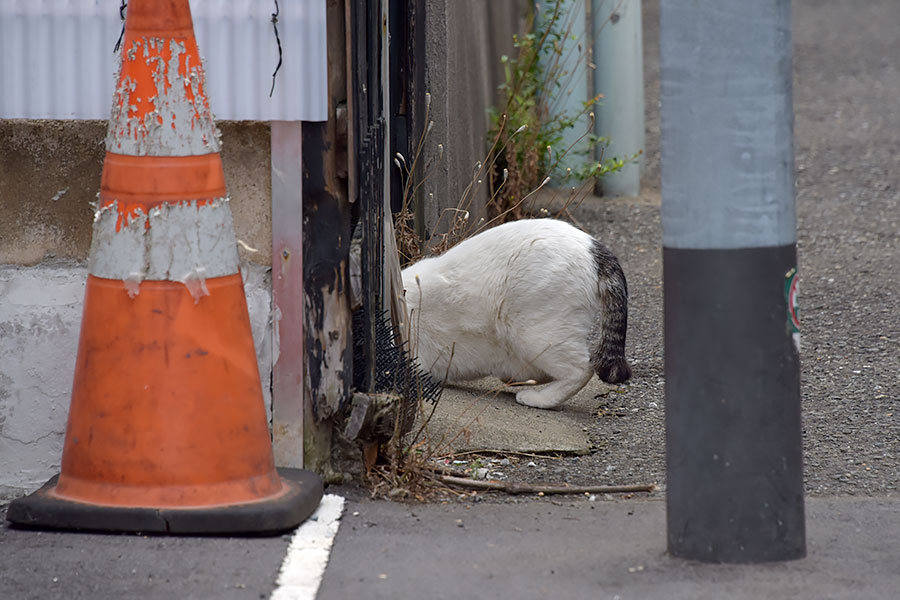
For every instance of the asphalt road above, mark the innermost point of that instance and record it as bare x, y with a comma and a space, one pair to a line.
846, 94
50, 565
602, 550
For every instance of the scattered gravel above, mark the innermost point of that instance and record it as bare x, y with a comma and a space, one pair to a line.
848, 203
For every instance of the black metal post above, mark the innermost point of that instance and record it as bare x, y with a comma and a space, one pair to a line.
734, 445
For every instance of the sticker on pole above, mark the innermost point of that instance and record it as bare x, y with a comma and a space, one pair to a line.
790, 295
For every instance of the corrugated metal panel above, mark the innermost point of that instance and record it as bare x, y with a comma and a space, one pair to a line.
237, 40
57, 61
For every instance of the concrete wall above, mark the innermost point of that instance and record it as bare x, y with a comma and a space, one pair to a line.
49, 175
464, 42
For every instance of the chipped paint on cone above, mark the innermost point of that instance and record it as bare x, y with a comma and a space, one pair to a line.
162, 219
160, 106
188, 242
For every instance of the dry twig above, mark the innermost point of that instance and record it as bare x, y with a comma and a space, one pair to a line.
510, 487
451, 476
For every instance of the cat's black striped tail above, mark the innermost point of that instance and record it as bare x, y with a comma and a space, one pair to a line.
607, 336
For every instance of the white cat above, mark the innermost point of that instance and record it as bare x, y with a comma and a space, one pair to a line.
533, 299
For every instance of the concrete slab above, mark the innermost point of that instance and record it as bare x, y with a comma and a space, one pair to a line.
483, 416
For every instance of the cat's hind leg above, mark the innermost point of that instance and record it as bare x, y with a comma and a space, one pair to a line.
567, 381
562, 360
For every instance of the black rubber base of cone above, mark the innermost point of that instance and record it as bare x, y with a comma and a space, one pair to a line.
42, 511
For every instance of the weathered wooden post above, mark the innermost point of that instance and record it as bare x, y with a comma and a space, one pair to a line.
734, 446
328, 353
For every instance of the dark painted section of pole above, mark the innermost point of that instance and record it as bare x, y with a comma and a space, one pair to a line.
734, 448
734, 438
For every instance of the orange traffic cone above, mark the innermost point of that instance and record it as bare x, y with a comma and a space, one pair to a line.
167, 428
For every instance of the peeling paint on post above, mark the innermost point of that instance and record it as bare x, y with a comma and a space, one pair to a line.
326, 302
328, 349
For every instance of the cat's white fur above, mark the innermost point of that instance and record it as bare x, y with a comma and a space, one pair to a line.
517, 302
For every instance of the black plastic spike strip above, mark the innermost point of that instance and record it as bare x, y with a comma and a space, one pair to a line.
395, 370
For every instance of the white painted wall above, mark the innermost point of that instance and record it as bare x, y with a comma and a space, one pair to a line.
40, 318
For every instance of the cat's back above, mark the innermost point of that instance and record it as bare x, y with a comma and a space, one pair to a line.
519, 239
537, 248
526, 231
528, 248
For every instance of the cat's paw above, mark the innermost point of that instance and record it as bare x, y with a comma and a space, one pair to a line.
535, 399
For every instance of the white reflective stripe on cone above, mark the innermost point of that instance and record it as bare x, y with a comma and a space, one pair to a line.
184, 241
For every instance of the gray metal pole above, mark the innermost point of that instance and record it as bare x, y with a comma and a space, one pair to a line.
619, 76
734, 445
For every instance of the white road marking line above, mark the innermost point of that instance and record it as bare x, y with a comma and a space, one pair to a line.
307, 556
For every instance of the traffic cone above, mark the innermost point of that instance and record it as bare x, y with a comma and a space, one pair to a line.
167, 428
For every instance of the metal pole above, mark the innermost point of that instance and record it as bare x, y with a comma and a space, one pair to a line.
287, 293
734, 445
569, 69
619, 76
